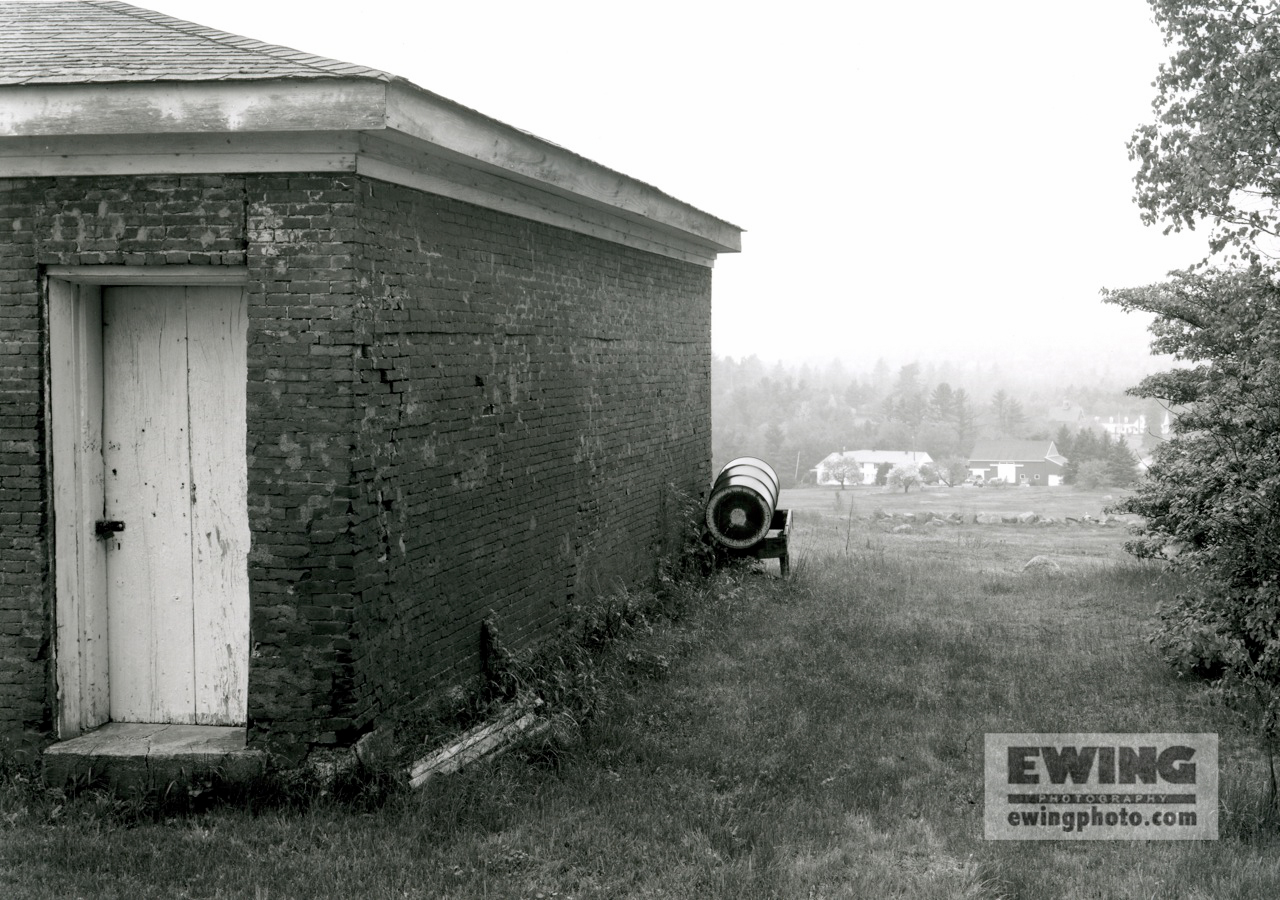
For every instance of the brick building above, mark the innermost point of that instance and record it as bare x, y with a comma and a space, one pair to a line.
306, 371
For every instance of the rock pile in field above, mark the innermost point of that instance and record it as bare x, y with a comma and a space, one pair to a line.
894, 521
1041, 564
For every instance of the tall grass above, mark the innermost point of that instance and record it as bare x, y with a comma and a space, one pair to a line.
815, 737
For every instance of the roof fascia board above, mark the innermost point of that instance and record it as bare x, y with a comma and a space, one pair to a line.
485, 142
168, 154
322, 104
319, 126
390, 162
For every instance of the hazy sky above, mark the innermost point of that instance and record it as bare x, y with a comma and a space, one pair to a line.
932, 178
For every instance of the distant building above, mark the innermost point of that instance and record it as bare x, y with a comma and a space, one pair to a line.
1131, 431
865, 464
1066, 413
1017, 462
1125, 427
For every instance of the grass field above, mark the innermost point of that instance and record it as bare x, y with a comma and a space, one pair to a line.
819, 737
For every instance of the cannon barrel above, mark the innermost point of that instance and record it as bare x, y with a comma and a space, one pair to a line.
743, 499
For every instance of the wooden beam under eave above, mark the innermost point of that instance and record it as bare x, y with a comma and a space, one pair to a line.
451, 129
192, 107
175, 164
177, 154
96, 145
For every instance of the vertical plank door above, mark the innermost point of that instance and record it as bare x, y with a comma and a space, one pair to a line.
216, 375
174, 454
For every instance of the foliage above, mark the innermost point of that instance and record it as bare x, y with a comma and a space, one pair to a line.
845, 470
951, 470
1191, 639
1212, 495
1094, 459
906, 477
1210, 154
1008, 413
1091, 474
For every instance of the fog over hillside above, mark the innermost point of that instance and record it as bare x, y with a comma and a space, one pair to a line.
796, 413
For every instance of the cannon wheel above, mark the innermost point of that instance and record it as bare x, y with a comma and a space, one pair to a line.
775, 546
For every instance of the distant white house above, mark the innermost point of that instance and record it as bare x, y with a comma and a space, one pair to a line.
1137, 427
860, 466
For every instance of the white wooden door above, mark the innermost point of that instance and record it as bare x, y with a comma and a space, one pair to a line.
1007, 472
174, 374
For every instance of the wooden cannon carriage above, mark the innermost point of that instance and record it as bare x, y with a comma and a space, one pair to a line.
743, 519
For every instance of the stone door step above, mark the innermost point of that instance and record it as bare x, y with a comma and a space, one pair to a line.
132, 756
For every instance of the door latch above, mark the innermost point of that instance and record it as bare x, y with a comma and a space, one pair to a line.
105, 528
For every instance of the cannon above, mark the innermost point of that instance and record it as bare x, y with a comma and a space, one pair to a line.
742, 515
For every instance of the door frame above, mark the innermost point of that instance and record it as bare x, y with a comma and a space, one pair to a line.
73, 432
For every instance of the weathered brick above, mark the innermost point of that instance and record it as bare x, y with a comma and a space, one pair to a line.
451, 412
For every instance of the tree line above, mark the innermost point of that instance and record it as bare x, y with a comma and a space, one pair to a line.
794, 417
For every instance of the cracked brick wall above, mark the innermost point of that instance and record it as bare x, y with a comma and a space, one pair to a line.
451, 411
303, 307
527, 397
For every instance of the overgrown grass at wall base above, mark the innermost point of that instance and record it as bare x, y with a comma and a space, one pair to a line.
819, 736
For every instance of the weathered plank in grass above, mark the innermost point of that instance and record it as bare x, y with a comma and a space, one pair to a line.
478, 743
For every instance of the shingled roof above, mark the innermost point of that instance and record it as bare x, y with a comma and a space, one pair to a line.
104, 41
1016, 451
102, 87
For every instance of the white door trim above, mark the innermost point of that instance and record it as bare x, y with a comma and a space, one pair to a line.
73, 415
79, 558
186, 276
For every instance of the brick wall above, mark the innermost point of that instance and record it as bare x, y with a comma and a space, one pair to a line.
526, 396
25, 675
303, 308
71, 221
451, 411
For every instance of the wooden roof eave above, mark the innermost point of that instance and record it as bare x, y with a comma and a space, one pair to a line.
452, 129
392, 131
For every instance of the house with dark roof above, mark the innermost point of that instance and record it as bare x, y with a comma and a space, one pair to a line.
308, 372
1035, 463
